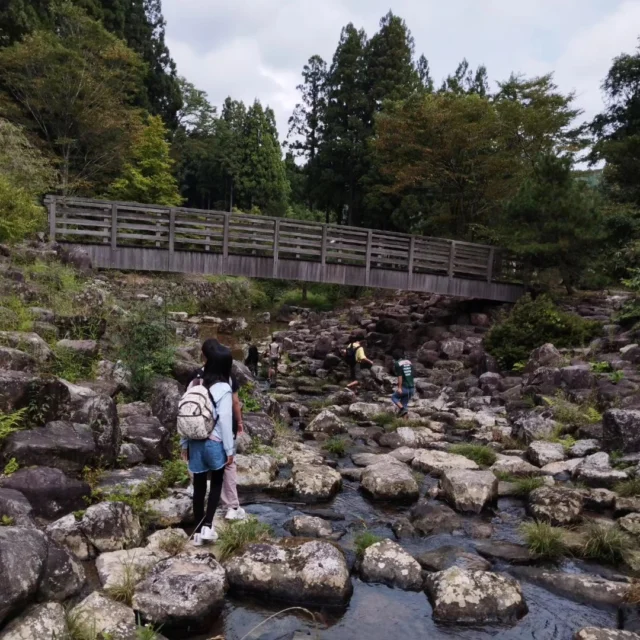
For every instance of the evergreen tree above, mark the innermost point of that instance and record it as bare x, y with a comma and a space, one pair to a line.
263, 180
342, 155
148, 176
230, 140
21, 17
617, 130
306, 125
465, 80
424, 73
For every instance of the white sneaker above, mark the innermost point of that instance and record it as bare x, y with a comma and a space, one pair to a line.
236, 514
208, 534
197, 540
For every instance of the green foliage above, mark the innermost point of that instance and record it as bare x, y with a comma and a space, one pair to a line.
250, 403
237, 535
600, 367
336, 446
571, 415
144, 343
533, 323
616, 377
544, 540
80, 626
309, 299
364, 540
74, 83
73, 366
524, 486
123, 591
628, 488
20, 215
6, 521
146, 632
173, 544
11, 467
148, 177
12, 422
15, 315
481, 455
384, 419
605, 543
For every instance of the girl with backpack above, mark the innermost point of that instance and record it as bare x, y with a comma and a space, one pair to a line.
205, 422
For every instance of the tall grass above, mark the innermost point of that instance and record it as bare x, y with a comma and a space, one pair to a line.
364, 540
481, 455
544, 540
237, 535
604, 543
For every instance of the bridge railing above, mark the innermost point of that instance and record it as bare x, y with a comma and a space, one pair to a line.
124, 224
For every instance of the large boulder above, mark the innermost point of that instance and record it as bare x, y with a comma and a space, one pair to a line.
558, 506
595, 471
184, 591
469, 491
148, 434
49, 491
128, 480
31, 343
105, 617
39, 622
100, 413
545, 356
437, 462
577, 377
23, 557
388, 563
83, 348
542, 453
309, 527
621, 430
446, 557
294, 571
475, 597
416, 438
593, 633
129, 565
515, 466
315, 483
363, 411
14, 505
19, 390
393, 482
16, 360
260, 427
165, 396
111, 526
453, 348
63, 445
533, 426
63, 576
255, 472
67, 533
176, 508
432, 518
326, 422
323, 347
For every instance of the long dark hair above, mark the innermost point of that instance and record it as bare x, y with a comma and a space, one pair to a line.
219, 363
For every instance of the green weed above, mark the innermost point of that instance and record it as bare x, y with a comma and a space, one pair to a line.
384, 419
250, 404
544, 540
628, 488
481, 455
336, 446
616, 377
73, 366
124, 590
600, 367
17, 316
524, 486
364, 540
604, 543
6, 521
173, 544
12, 422
11, 467
237, 535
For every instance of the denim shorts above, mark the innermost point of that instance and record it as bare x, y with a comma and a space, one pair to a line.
206, 455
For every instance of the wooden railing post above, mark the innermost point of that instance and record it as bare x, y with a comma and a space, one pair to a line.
412, 250
492, 253
172, 238
276, 243
225, 238
52, 220
452, 258
368, 262
323, 248
114, 230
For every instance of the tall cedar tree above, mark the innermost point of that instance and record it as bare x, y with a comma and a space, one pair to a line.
263, 180
75, 86
148, 176
306, 125
343, 154
617, 130
465, 80
424, 73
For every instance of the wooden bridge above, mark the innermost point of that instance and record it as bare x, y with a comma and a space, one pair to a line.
129, 236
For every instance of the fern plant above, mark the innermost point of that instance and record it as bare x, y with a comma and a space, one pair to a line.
12, 422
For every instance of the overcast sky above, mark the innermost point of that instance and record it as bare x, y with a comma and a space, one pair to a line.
256, 48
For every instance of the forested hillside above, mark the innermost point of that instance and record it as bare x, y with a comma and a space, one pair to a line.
91, 104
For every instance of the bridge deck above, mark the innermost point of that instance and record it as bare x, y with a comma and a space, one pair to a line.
128, 236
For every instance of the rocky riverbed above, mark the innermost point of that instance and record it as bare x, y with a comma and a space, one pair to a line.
378, 527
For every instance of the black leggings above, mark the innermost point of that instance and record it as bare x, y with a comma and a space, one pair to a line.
199, 493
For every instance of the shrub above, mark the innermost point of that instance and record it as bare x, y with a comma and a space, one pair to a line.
600, 367
20, 216
173, 544
336, 446
384, 419
249, 401
364, 540
533, 323
237, 535
628, 488
144, 343
12, 422
573, 415
604, 543
481, 455
544, 540
72, 366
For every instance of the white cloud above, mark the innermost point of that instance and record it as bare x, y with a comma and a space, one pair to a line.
257, 48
